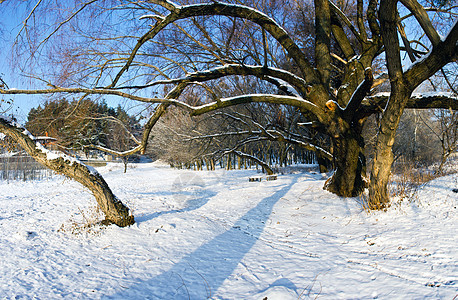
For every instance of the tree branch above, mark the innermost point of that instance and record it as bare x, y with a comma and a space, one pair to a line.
346, 21
114, 210
253, 158
360, 19
232, 69
341, 37
358, 96
444, 52
323, 40
264, 98
388, 20
377, 102
217, 8
423, 19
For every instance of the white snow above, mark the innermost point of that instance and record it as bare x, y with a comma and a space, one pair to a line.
286, 85
420, 95
215, 235
434, 94
157, 17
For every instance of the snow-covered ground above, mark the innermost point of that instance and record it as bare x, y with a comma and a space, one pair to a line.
215, 235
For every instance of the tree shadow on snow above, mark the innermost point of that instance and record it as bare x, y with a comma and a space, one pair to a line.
199, 274
191, 203
188, 192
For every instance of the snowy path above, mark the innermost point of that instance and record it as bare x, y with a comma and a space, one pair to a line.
215, 235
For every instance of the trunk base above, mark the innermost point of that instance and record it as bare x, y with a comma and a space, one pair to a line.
120, 222
349, 178
341, 187
380, 175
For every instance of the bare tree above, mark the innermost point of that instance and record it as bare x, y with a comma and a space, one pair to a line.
254, 132
403, 82
444, 127
203, 46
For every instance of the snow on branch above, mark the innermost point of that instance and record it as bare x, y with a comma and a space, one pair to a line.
287, 78
115, 211
166, 4
132, 151
417, 100
230, 10
358, 96
154, 17
249, 98
9, 126
284, 78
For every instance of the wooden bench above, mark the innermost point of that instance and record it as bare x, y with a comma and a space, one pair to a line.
271, 177
255, 178
259, 178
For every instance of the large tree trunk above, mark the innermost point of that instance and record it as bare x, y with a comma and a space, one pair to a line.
381, 166
115, 211
348, 179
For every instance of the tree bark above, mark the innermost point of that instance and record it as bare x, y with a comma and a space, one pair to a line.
125, 161
115, 211
323, 163
402, 86
349, 178
383, 160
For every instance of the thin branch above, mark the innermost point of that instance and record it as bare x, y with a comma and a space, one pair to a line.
28, 17
423, 19
450, 85
405, 41
266, 167
346, 21
217, 8
63, 23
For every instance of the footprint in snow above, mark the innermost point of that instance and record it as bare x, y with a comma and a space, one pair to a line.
26, 235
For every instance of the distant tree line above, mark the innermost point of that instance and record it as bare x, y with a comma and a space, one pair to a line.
79, 125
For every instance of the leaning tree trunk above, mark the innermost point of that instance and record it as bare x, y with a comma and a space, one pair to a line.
115, 211
349, 178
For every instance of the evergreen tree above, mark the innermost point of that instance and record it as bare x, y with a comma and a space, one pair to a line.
78, 124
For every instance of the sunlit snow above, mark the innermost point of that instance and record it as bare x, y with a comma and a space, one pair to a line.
216, 235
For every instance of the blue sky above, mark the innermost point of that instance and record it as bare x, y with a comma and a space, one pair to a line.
12, 15
10, 23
